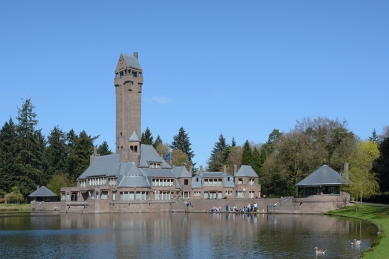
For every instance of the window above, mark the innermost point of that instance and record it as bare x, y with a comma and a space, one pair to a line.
239, 194
251, 182
104, 195
205, 195
135, 74
186, 181
63, 196
114, 196
74, 196
228, 179
240, 181
197, 193
251, 195
228, 193
121, 74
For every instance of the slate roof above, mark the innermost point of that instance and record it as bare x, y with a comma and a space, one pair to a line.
180, 171
131, 61
133, 181
43, 192
246, 170
103, 165
134, 137
324, 176
148, 153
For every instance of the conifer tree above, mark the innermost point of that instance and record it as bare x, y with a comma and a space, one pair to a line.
157, 141
30, 150
147, 137
181, 142
219, 155
247, 154
8, 153
103, 149
57, 152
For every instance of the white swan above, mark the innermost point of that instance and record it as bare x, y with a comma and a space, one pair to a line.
320, 252
355, 242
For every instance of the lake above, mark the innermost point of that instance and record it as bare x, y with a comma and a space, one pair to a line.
180, 235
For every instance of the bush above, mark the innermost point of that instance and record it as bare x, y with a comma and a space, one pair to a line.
14, 196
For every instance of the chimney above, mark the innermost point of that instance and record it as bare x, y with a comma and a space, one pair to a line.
345, 171
224, 169
37, 187
190, 170
235, 167
201, 170
136, 55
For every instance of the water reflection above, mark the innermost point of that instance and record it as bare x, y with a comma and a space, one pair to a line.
180, 235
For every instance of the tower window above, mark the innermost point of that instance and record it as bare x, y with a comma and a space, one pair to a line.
135, 74
121, 74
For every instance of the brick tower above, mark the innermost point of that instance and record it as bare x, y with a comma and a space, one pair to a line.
128, 87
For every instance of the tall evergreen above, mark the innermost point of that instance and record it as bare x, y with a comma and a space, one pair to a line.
80, 148
256, 161
8, 152
147, 137
103, 149
381, 165
30, 148
157, 141
233, 143
219, 155
181, 142
57, 152
247, 154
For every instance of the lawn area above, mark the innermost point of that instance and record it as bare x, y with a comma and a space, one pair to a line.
376, 214
14, 207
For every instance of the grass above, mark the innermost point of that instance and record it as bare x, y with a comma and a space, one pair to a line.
376, 214
14, 207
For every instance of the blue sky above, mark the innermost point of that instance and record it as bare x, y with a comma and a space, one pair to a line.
240, 68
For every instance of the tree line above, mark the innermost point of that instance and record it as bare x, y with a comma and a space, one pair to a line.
28, 159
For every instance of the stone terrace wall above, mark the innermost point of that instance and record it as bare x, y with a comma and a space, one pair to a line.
45, 206
315, 204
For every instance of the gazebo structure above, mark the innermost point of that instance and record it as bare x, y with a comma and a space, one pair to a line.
323, 181
43, 194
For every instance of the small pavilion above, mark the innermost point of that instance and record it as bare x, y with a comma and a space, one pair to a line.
323, 181
43, 194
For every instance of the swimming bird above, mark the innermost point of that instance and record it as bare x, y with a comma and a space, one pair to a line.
356, 242
320, 252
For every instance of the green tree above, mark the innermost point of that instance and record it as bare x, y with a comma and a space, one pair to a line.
103, 149
162, 149
80, 148
246, 154
56, 152
256, 162
157, 141
381, 165
30, 150
233, 143
374, 137
181, 142
58, 181
364, 181
14, 196
219, 155
8, 152
147, 137
179, 158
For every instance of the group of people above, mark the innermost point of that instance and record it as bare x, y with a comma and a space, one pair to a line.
229, 208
